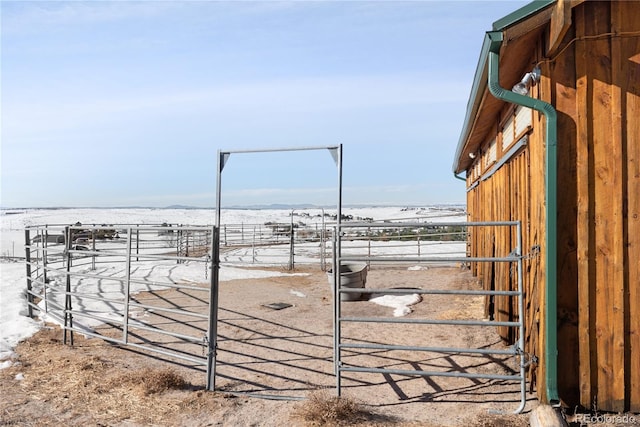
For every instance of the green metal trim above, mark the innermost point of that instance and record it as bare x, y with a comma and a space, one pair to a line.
524, 12
551, 171
459, 177
478, 88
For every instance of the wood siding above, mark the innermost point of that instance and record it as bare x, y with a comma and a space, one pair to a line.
593, 81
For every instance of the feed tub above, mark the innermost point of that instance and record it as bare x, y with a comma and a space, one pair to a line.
351, 276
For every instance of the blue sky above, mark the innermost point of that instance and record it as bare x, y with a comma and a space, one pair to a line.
127, 103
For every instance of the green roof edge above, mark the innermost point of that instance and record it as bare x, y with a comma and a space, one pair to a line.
480, 80
522, 13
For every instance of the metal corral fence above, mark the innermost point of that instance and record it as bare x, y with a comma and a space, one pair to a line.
291, 244
145, 285
275, 244
118, 282
87, 275
446, 246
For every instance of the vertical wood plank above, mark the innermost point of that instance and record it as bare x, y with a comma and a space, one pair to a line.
628, 19
502, 280
508, 247
537, 205
562, 94
531, 308
560, 24
584, 229
633, 240
620, 294
607, 148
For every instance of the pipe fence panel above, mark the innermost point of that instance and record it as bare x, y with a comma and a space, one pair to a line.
144, 286
448, 246
301, 244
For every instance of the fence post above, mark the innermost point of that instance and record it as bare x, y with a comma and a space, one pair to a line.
93, 249
369, 244
322, 260
291, 248
186, 249
212, 331
178, 234
127, 288
45, 251
68, 316
27, 257
253, 246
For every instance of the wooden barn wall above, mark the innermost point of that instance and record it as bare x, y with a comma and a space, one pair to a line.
596, 86
594, 83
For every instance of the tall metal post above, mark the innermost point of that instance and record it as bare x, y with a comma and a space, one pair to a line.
337, 254
212, 336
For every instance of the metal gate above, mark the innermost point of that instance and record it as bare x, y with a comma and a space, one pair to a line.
348, 254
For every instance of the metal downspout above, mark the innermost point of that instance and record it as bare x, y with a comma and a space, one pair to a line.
459, 177
551, 277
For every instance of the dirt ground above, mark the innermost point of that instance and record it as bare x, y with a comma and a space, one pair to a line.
285, 356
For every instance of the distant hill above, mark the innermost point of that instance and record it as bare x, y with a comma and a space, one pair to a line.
274, 206
183, 207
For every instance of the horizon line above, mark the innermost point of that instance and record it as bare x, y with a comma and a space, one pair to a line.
255, 206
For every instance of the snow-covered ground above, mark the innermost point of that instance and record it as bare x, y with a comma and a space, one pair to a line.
15, 325
13, 221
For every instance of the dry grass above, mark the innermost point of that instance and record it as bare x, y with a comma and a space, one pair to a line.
323, 409
151, 381
506, 420
84, 388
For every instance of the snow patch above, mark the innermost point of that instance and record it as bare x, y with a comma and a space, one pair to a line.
400, 303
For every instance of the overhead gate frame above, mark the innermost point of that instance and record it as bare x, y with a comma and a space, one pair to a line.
223, 157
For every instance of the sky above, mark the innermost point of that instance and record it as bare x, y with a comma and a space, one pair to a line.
118, 103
